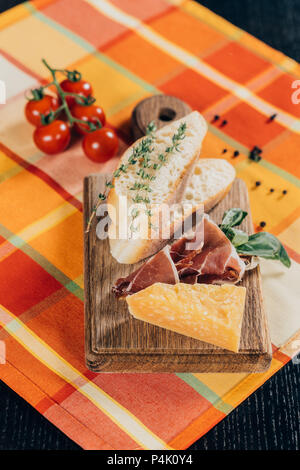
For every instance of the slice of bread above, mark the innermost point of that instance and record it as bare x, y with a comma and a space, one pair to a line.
183, 180
167, 187
210, 182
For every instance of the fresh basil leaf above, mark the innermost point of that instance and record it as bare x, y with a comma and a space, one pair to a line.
265, 245
284, 257
237, 237
233, 217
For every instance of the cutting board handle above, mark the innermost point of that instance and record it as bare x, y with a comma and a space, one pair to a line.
162, 109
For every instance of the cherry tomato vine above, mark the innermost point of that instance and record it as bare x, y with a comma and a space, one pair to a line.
75, 102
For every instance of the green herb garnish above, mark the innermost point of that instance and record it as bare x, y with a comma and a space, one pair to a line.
265, 245
142, 154
133, 228
261, 244
134, 213
151, 128
142, 186
237, 237
233, 217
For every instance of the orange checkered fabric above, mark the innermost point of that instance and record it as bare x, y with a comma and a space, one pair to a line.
129, 50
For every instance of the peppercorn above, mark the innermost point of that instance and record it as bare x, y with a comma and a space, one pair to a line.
274, 116
216, 118
256, 149
257, 183
262, 224
255, 157
255, 154
224, 150
236, 153
224, 122
284, 191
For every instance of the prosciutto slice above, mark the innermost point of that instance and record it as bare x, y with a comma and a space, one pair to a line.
158, 268
207, 257
216, 262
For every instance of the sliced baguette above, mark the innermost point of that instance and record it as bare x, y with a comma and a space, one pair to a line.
169, 187
210, 182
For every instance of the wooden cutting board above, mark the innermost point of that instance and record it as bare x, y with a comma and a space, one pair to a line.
117, 342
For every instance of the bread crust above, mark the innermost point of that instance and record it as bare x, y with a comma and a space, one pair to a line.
214, 200
129, 251
133, 250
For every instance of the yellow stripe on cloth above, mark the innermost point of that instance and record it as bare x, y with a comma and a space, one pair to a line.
46, 223
195, 63
35, 229
122, 417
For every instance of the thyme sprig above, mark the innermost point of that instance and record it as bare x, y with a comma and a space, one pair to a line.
143, 186
176, 139
141, 154
101, 198
146, 163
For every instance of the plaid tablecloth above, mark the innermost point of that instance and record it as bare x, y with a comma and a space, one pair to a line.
128, 50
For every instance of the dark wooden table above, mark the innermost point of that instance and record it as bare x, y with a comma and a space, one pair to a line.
270, 418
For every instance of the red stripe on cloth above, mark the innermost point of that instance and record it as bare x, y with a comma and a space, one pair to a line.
114, 41
76, 430
127, 33
64, 393
22, 67
151, 396
44, 405
144, 10
85, 411
96, 28
43, 176
280, 356
293, 254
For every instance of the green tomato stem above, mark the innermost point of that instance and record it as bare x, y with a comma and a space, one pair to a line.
64, 106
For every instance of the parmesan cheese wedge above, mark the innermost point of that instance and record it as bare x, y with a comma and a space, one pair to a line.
210, 313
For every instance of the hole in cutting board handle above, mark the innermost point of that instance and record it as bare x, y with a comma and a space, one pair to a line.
167, 114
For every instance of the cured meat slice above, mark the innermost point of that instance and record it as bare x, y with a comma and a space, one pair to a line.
212, 260
187, 247
216, 262
158, 268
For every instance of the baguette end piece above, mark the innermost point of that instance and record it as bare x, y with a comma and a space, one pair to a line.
168, 187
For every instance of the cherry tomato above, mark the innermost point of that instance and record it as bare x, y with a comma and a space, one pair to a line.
81, 87
35, 108
87, 113
100, 145
52, 138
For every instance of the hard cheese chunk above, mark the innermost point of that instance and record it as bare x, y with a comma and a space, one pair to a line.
208, 312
